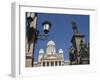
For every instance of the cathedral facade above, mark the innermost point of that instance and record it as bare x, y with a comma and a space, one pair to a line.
50, 57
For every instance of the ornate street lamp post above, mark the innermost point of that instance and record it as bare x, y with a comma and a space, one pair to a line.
33, 34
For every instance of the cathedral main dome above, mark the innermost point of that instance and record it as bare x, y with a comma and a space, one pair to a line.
51, 43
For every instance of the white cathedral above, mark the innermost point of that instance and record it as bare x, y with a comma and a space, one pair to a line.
51, 57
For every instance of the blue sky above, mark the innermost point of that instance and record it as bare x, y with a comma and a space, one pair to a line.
61, 30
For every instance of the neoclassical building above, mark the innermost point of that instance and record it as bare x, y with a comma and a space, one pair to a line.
50, 57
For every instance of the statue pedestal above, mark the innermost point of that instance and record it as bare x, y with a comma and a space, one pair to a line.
76, 40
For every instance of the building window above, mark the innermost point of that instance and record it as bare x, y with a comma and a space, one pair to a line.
59, 63
43, 63
52, 63
47, 63
55, 63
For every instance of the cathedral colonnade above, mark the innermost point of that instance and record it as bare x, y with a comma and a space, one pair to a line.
51, 63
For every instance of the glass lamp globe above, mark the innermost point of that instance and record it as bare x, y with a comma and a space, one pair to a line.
46, 27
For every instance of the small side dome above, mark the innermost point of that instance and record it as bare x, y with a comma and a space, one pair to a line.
41, 51
60, 51
51, 43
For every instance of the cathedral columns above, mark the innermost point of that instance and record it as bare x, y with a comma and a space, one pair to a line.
57, 63
46, 63
49, 63
54, 63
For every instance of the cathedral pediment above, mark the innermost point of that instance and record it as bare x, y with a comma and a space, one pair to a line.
51, 57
